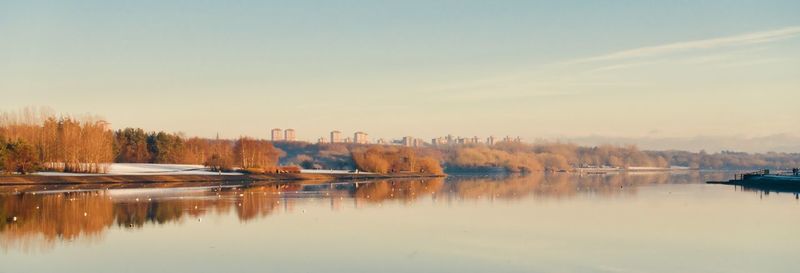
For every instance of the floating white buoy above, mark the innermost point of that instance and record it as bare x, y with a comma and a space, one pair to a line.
15, 218
240, 195
37, 207
85, 214
137, 199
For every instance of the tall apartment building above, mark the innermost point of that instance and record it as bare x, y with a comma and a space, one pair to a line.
336, 137
277, 134
360, 138
289, 135
408, 141
439, 141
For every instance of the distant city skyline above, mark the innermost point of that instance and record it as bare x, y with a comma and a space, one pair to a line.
686, 73
771, 143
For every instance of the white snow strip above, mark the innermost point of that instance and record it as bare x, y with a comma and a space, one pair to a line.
148, 169
333, 172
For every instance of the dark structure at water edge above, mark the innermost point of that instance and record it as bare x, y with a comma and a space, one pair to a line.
765, 180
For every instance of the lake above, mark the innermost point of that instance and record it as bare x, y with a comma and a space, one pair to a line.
641, 222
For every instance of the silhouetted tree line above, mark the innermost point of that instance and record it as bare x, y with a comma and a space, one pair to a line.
526, 157
371, 158
522, 157
134, 145
32, 140
393, 159
728, 160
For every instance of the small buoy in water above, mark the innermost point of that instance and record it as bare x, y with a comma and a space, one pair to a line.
148, 199
85, 214
137, 199
37, 207
240, 195
195, 207
15, 218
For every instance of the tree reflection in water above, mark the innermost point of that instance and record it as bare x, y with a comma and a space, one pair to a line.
37, 217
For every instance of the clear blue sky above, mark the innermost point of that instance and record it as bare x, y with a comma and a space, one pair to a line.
424, 68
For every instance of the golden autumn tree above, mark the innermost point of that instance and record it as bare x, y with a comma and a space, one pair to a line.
252, 153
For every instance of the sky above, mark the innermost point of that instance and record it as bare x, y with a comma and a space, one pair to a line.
588, 70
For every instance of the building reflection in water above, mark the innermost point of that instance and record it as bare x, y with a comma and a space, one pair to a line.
40, 216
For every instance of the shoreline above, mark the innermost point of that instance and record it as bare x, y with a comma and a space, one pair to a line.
178, 178
764, 182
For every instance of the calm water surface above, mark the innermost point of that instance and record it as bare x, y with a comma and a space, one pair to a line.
537, 223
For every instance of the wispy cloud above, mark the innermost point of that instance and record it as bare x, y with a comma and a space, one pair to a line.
598, 73
729, 41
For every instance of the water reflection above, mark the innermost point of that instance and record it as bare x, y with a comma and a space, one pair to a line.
38, 217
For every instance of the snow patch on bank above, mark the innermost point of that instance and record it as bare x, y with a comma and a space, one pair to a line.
148, 169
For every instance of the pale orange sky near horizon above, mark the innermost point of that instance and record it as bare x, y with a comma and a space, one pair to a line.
531, 69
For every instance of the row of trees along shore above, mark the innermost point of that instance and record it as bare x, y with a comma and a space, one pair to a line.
37, 140
30, 142
33, 140
549, 156
523, 157
134, 145
392, 159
